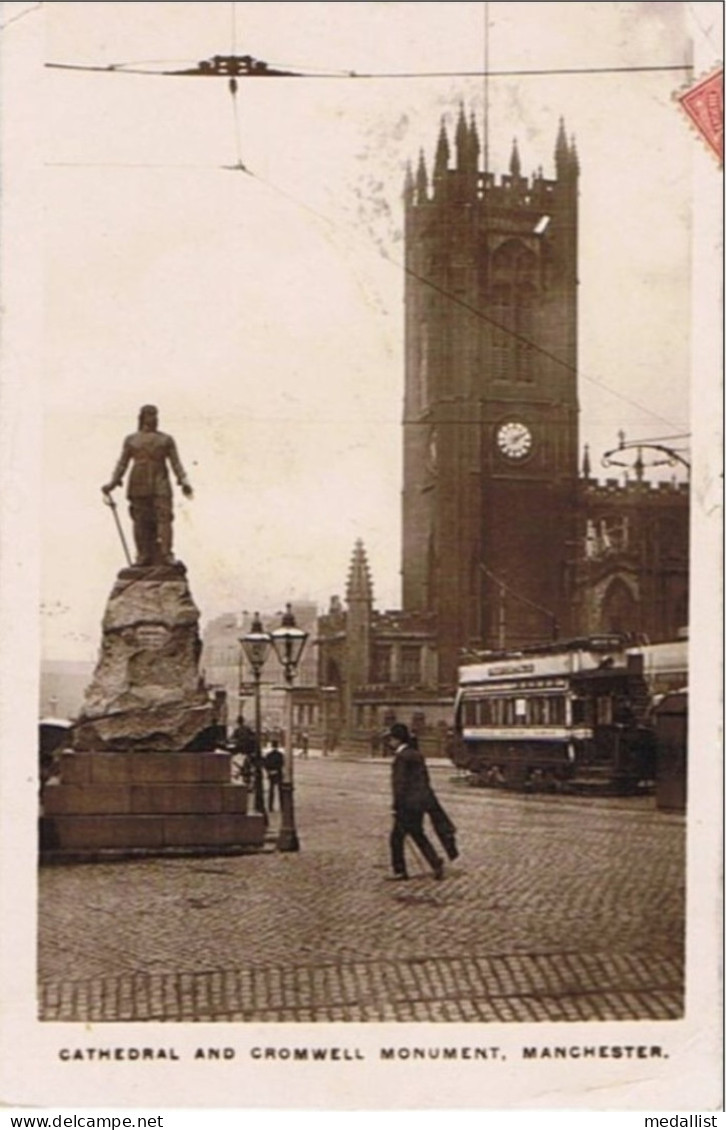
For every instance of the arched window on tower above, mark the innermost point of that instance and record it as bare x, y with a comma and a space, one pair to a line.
619, 610
512, 300
501, 339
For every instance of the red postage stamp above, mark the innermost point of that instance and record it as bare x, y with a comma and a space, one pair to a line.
703, 103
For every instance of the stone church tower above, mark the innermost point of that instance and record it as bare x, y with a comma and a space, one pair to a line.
490, 404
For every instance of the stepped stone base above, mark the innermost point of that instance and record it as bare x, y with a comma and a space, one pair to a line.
149, 802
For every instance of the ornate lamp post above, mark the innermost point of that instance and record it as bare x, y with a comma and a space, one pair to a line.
256, 646
288, 641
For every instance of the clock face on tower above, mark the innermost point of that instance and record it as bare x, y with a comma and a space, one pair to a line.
514, 440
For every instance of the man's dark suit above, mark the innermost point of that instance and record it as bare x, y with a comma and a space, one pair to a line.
412, 796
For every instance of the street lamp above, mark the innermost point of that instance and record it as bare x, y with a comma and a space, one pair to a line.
288, 641
256, 646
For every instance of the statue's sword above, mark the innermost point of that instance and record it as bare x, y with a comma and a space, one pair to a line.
110, 502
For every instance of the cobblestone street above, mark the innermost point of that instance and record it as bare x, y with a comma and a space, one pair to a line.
557, 909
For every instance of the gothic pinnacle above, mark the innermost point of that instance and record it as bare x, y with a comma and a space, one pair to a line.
359, 577
422, 180
441, 164
474, 146
515, 165
562, 152
462, 140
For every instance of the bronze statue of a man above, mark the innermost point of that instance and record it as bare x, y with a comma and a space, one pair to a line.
149, 488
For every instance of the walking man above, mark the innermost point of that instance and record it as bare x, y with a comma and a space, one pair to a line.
411, 799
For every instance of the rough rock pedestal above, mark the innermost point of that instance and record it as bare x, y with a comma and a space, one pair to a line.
144, 774
146, 692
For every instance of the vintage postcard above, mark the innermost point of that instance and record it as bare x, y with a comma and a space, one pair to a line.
360, 556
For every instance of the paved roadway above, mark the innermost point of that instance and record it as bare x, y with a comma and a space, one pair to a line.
557, 909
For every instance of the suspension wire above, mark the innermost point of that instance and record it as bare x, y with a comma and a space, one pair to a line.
126, 68
233, 88
132, 165
516, 595
404, 268
21, 15
478, 313
329, 224
452, 298
236, 126
660, 439
486, 89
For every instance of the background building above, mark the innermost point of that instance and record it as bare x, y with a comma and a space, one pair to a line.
225, 667
63, 685
506, 541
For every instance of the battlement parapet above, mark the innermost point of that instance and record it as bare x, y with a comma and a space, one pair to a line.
606, 489
456, 176
503, 192
405, 623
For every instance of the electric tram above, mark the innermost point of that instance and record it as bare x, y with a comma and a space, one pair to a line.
571, 717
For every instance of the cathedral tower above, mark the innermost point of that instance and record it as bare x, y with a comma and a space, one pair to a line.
490, 408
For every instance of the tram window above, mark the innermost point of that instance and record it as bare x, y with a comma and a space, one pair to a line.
469, 713
579, 710
520, 708
604, 710
557, 711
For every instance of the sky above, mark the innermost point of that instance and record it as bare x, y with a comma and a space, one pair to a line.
262, 311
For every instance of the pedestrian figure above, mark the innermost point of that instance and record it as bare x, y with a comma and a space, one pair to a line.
273, 762
304, 745
244, 744
442, 824
411, 799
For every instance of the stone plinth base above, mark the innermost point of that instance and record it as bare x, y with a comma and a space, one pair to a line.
145, 802
146, 692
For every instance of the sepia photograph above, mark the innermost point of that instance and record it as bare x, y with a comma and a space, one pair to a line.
360, 569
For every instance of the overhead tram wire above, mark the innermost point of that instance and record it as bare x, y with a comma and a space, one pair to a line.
474, 310
485, 139
453, 298
233, 89
20, 15
196, 72
252, 68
